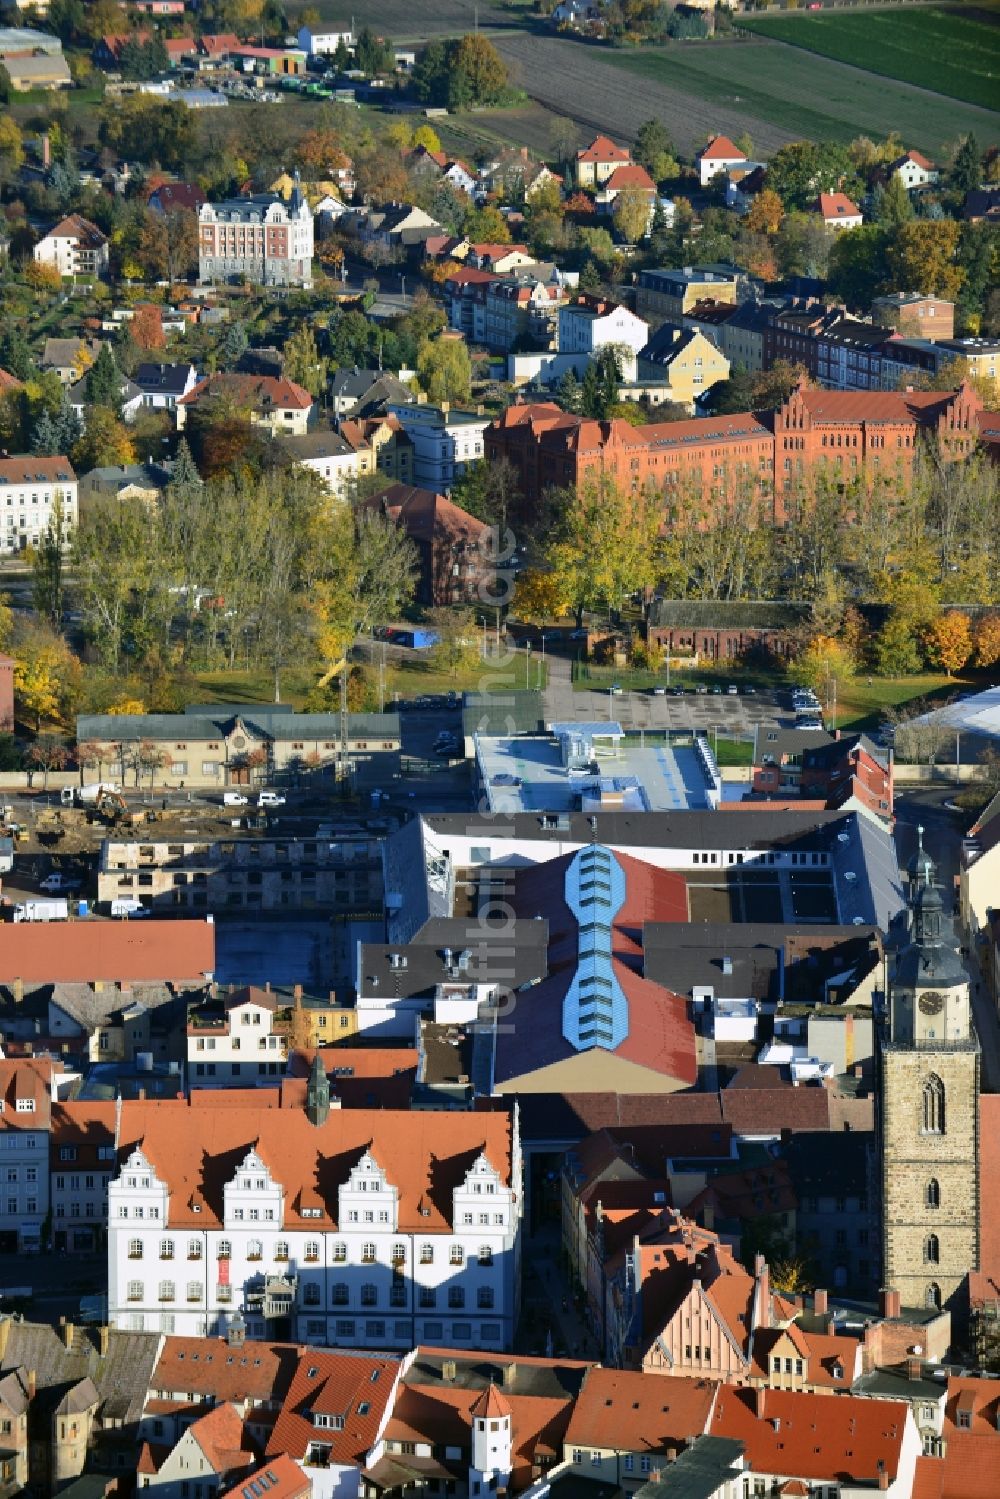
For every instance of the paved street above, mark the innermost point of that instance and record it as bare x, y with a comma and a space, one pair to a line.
547, 1304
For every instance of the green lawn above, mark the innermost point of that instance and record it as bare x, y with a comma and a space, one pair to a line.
957, 55
860, 705
810, 97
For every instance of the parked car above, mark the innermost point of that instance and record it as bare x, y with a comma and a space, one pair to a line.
732, 690
658, 691
58, 883
270, 799
700, 689
234, 799
615, 690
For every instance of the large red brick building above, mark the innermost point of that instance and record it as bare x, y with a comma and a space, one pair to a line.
850, 431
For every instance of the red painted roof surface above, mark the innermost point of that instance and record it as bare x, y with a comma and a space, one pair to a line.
812, 1436
113, 952
721, 148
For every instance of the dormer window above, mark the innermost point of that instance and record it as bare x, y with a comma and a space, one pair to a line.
25, 1106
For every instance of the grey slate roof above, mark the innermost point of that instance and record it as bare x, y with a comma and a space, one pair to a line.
279, 724
515, 712
168, 379
761, 828
683, 957
698, 1472
122, 1376
509, 955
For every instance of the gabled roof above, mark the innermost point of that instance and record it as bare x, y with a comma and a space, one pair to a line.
221, 1438
75, 226
837, 206
630, 174
281, 1478
721, 148
262, 392
355, 1386
211, 1370
176, 195
109, 951
426, 516
9, 382
30, 469
602, 148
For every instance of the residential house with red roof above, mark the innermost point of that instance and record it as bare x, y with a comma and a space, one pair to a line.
626, 1426
73, 247
595, 163
914, 169
499, 258
630, 175
838, 212
474, 1423
279, 1478
454, 554
343, 1227
212, 1453
847, 1445
270, 401
718, 156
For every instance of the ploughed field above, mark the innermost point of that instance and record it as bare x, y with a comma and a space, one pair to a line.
776, 92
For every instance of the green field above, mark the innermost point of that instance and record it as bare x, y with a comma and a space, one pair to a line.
808, 96
951, 54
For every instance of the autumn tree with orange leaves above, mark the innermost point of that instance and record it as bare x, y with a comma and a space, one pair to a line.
948, 640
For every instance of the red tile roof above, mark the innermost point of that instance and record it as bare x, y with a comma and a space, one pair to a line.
220, 43
221, 1438
172, 195
281, 1478
262, 392
634, 1412
9, 382
210, 1370
355, 1386
491, 1404
443, 1416
812, 1436
426, 516
836, 206
631, 175
75, 226
602, 148
928, 1478
192, 1147
361, 1077
721, 148
113, 952
28, 1079
28, 469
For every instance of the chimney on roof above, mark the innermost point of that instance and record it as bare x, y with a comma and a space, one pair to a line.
66, 1332
883, 1478
820, 1302
31, 1381
757, 1401
890, 1303
103, 1341
297, 993
509, 1376
449, 1371
762, 1304
914, 1368
17, 989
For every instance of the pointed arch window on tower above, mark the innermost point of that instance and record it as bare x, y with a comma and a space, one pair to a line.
932, 1297
933, 1106
932, 1194
932, 1250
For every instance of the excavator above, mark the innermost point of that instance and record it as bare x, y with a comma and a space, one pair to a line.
112, 809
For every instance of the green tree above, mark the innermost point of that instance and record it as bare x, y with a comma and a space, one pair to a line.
921, 256
858, 264
104, 381
631, 214
894, 206
568, 392
302, 362
802, 170
966, 170
607, 544
47, 583
232, 345
654, 150
478, 60
104, 442
444, 370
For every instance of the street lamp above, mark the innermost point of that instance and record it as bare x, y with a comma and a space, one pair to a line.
527, 663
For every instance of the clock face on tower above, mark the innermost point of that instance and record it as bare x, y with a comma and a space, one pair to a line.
930, 1004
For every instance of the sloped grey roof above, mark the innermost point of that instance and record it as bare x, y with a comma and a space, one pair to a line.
121, 1377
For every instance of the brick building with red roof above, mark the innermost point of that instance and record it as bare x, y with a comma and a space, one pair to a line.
453, 551
848, 432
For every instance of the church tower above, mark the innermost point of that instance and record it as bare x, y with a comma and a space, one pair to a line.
929, 1107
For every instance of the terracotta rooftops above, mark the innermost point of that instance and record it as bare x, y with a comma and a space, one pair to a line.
357, 1387
75, 226
113, 952
195, 1150
281, 1478
721, 148
220, 1437
630, 174
260, 391
602, 148
812, 1436
635, 1412
31, 469
209, 1369
837, 206
491, 1404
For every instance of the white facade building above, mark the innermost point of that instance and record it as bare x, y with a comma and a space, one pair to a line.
237, 1049
29, 488
352, 1227
74, 246
323, 42
589, 325
445, 441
